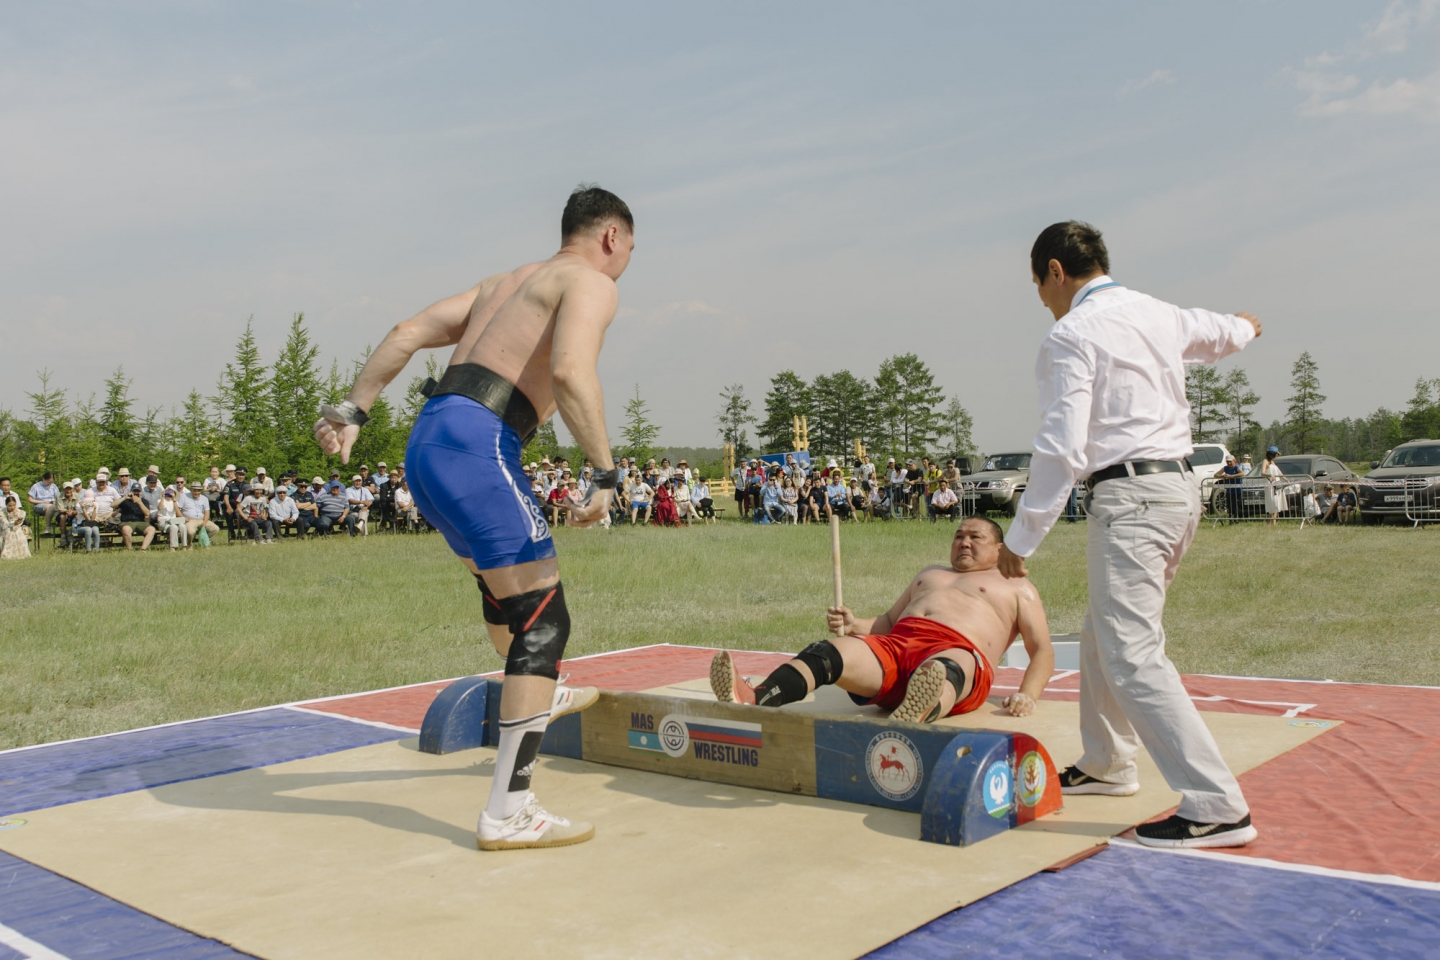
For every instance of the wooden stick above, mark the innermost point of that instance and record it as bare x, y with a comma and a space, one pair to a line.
835, 557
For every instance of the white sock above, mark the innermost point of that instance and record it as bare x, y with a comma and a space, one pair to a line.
515, 761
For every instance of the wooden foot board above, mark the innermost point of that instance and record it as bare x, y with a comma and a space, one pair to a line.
966, 784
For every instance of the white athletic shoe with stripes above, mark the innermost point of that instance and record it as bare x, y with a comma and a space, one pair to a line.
571, 699
530, 826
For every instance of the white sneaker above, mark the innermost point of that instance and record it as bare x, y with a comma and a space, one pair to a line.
571, 700
530, 826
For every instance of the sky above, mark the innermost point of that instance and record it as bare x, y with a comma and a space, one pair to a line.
815, 186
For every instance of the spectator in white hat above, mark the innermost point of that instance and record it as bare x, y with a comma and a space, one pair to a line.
360, 500
195, 511
261, 480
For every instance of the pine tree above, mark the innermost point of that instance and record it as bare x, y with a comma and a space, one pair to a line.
196, 443
1421, 419
294, 396
415, 400
788, 398
244, 399
1302, 426
1239, 402
734, 417
842, 404
1203, 388
49, 417
907, 396
638, 432
959, 426
545, 445
117, 423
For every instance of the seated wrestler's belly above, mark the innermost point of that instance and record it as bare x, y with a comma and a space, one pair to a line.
971, 617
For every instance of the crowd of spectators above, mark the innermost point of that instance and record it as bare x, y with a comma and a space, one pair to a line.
186, 513
793, 492
653, 493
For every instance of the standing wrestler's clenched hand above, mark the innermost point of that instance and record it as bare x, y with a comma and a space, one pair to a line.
335, 437
590, 510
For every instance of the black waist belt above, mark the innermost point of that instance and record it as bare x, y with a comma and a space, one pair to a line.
1135, 468
491, 391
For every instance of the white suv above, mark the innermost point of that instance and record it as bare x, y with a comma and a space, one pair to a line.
1205, 462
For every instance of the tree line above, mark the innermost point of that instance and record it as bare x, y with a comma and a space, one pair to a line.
1222, 410
901, 412
258, 415
262, 414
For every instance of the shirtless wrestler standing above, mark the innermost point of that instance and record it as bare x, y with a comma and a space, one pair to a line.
526, 344
932, 655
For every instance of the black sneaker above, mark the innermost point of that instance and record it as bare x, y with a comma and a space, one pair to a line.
1176, 831
1072, 781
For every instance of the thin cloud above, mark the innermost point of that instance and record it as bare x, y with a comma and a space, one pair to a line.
1391, 34
1158, 78
1418, 98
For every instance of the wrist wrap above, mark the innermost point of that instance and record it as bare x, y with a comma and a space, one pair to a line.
347, 411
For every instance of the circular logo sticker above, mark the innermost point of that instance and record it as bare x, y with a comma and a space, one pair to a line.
674, 736
999, 789
894, 766
10, 823
1031, 785
1317, 724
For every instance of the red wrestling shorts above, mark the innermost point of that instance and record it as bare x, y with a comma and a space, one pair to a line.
910, 643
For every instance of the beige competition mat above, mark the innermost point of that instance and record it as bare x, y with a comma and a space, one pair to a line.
370, 853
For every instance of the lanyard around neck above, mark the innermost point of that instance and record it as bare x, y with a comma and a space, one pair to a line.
1087, 293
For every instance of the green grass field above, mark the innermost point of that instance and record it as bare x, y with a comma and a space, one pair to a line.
94, 644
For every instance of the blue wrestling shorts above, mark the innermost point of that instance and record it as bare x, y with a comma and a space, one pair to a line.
463, 464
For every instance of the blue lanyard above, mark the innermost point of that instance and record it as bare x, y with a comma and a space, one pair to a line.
1102, 286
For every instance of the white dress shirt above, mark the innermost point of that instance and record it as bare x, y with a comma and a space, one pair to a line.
281, 510
1112, 389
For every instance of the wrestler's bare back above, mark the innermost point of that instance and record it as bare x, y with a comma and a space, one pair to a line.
511, 326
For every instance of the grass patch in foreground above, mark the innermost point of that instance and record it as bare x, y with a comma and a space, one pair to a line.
95, 644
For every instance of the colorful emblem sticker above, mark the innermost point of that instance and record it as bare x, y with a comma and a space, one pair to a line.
1031, 779
1317, 724
999, 789
674, 736
894, 766
10, 823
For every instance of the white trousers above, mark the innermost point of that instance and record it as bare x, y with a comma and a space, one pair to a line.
1130, 692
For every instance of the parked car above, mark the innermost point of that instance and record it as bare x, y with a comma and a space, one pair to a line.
1409, 475
999, 483
1204, 462
963, 462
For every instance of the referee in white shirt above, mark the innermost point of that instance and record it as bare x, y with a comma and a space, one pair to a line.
1113, 412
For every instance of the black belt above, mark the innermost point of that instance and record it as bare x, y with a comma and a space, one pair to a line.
491, 391
1135, 468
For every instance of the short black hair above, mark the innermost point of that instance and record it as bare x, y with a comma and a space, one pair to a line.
589, 205
1078, 246
48, 476
995, 529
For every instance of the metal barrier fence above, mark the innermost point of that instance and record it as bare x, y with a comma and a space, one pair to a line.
1417, 500
1292, 497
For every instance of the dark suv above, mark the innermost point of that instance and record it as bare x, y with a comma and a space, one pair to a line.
1405, 484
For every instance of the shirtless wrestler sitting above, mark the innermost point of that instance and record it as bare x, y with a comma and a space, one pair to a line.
932, 654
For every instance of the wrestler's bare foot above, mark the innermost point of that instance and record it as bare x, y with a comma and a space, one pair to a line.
726, 682
922, 694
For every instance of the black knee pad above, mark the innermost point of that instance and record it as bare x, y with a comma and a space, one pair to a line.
493, 613
540, 625
954, 674
824, 661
